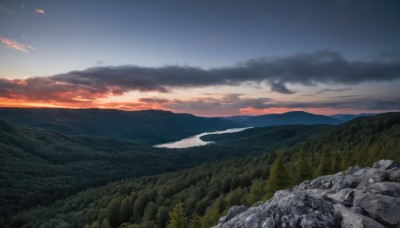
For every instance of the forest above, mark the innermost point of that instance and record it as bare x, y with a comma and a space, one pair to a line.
198, 196
40, 167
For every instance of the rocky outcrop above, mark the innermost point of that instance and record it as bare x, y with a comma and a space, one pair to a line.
359, 197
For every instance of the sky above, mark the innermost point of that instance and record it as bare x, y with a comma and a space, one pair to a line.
208, 58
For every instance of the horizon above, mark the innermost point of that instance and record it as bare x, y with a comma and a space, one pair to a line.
202, 58
210, 116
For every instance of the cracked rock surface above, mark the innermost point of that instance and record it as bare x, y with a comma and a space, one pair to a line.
364, 197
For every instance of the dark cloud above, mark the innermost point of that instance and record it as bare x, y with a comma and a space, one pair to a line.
280, 88
306, 69
361, 103
228, 101
322, 91
154, 100
233, 103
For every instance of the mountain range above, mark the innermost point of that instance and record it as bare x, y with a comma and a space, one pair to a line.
288, 118
148, 126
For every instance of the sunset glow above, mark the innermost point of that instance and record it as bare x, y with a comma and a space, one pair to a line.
199, 62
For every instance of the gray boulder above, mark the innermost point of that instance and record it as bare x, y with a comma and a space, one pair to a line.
233, 211
364, 197
385, 209
354, 220
385, 164
288, 209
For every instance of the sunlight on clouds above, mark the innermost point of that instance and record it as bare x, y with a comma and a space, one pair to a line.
9, 43
40, 11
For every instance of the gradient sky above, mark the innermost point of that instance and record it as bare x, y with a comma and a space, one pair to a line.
202, 57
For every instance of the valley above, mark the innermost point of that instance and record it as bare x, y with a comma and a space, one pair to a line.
199, 114
105, 171
196, 140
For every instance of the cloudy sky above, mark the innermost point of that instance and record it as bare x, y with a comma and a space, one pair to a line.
208, 57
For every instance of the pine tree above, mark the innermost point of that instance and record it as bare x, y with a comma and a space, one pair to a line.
105, 224
256, 191
176, 217
125, 210
335, 163
302, 170
113, 212
195, 222
323, 166
278, 177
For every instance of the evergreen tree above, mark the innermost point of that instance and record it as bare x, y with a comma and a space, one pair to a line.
302, 170
278, 177
335, 163
113, 212
256, 191
125, 210
177, 217
195, 222
105, 224
323, 166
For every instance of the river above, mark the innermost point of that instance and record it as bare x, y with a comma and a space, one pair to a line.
196, 140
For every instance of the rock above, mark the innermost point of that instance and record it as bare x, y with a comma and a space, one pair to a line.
372, 176
251, 221
321, 181
365, 197
394, 175
354, 220
353, 170
222, 220
340, 197
233, 211
385, 164
349, 196
288, 209
349, 181
386, 188
357, 210
384, 209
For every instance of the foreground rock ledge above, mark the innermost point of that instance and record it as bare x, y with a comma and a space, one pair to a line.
359, 197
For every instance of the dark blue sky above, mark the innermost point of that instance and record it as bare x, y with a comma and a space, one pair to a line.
76, 34
49, 37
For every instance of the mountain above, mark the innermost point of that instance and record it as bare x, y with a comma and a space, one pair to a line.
347, 117
208, 191
149, 126
267, 137
237, 118
288, 118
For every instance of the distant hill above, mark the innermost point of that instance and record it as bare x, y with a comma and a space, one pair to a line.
267, 137
149, 126
237, 118
288, 118
347, 117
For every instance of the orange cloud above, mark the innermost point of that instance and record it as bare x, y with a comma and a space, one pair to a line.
9, 43
40, 11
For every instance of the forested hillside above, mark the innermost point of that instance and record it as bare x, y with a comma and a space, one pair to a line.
39, 167
148, 126
207, 191
266, 137
288, 118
